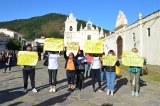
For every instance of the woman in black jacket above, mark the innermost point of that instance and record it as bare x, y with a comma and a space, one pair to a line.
70, 67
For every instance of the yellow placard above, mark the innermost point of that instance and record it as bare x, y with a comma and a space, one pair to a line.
51, 44
130, 58
72, 46
27, 58
93, 46
109, 60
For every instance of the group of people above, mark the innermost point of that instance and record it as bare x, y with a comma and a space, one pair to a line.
75, 68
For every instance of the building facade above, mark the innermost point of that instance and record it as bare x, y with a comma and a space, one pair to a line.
71, 34
6, 34
144, 34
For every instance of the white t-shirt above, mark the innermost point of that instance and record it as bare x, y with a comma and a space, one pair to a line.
96, 63
53, 61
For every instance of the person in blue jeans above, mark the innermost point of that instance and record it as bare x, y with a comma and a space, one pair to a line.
89, 60
111, 74
102, 71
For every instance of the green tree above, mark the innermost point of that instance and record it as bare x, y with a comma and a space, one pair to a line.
14, 44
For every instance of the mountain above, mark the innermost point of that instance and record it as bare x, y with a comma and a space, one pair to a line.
49, 25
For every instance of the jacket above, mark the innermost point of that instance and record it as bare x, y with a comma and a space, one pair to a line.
112, 68
66, 58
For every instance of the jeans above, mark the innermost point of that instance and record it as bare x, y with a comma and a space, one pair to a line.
31, 74
87, 68
110, 80
95, 72
102, 74
52, 75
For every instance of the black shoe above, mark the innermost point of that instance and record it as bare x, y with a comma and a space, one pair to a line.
69, 89
101, 90
72, 90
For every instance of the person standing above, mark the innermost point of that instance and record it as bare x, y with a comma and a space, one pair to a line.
80, 64
70, 67
29, 71
89, 60
52, 70
135, 76
102, 70
95, 71
111, 74
8, 63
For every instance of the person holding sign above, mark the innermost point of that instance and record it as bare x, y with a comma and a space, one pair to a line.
135, 75
110, 72
70, 67
95, 71
52, 70
80, 65
8, 61
29, 71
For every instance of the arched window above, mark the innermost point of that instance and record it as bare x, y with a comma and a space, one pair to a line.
89, 26
89, 37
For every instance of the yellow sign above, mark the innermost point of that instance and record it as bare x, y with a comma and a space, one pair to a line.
51, 44
130, 58
73, 46
27, 58
93, 46
109, 60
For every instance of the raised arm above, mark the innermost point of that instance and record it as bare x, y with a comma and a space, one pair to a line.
64, 53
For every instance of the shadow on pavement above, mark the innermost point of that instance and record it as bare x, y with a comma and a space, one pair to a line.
120, 83
10, 94
54, 100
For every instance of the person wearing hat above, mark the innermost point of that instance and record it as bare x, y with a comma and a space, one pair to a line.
29, 71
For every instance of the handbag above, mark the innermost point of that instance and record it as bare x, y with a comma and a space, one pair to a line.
81, 66
46, 62
118, 70
144, 70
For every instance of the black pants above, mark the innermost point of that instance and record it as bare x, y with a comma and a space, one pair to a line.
79, 83
8, 66
71, 79
95, 72
52, 75
31, 74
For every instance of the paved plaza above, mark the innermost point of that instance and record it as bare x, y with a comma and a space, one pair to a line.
11, 87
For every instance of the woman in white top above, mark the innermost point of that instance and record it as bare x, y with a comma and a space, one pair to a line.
52, 70
95, 71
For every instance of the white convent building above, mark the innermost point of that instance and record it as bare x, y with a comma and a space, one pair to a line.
71, 34
144, 34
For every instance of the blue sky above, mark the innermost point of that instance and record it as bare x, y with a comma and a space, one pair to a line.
101, 12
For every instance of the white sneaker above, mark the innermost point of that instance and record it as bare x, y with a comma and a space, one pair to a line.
54, 90
108, 92
50, 90
25, 90
34, 90
111, 93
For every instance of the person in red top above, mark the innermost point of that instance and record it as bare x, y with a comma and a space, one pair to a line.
89, 60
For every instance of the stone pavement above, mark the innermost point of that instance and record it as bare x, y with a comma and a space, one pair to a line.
11, 87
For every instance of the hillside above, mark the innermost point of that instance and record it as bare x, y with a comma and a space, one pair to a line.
49, 25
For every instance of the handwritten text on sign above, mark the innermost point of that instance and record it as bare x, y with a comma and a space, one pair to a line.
51, 44
72, 46
27, 58
130, 58
109, 60
93, 46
